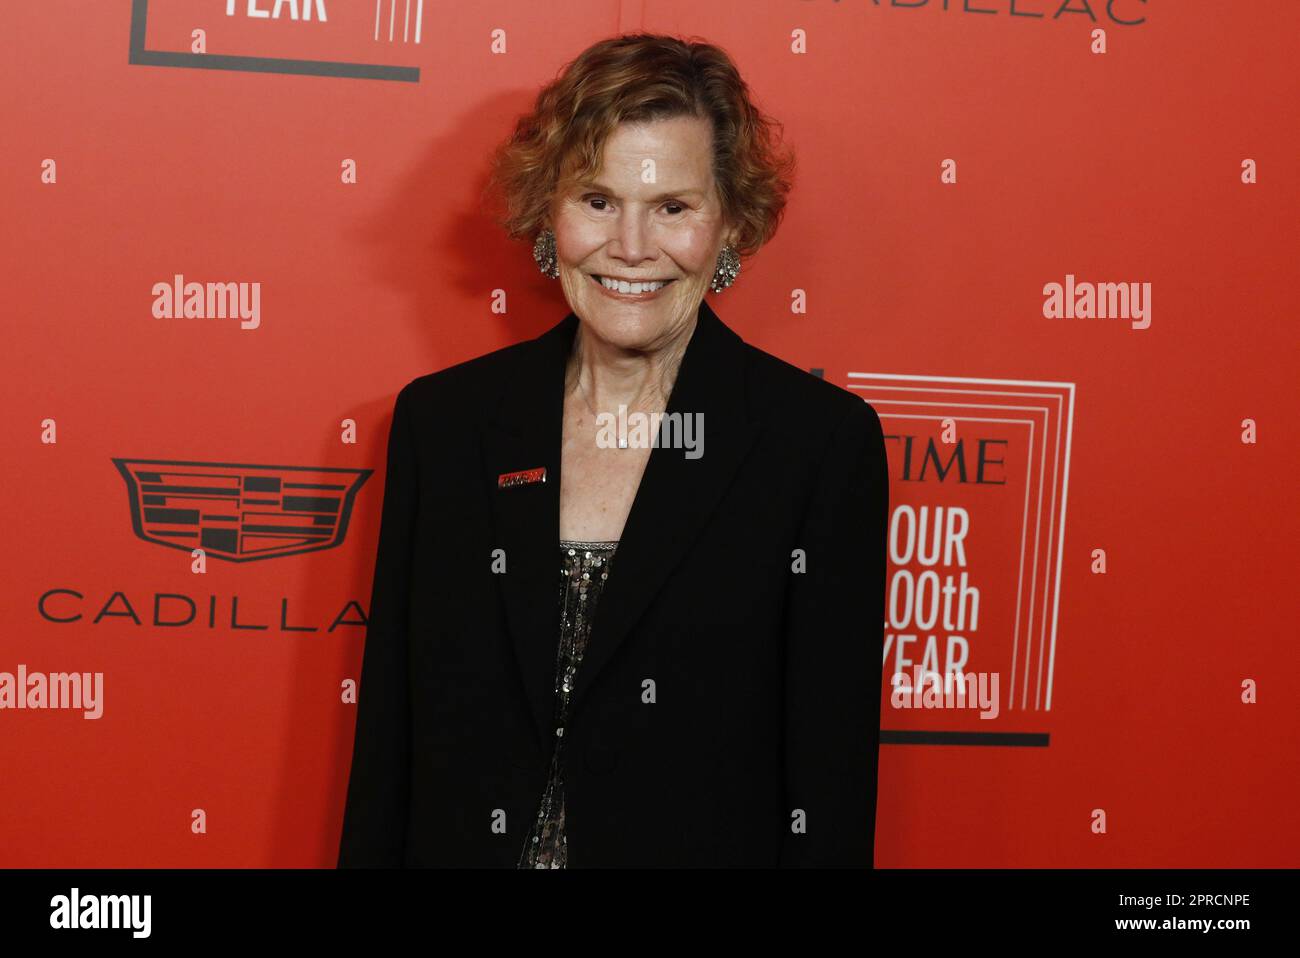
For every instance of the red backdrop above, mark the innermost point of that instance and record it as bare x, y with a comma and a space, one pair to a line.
953, 163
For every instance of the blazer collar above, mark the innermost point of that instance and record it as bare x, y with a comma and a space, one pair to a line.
675, 498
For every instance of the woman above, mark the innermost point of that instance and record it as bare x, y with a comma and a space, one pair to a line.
704, 690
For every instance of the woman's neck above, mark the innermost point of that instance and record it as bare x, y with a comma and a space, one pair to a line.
609, 376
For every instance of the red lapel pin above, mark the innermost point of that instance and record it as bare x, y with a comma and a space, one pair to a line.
524, 477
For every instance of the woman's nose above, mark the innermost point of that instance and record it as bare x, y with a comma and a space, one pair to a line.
632, 237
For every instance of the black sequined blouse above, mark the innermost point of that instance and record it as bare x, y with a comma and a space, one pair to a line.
584, 566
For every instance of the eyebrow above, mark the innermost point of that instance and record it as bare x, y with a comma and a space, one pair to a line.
602, 188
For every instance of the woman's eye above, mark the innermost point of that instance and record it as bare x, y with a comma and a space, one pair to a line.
676, 209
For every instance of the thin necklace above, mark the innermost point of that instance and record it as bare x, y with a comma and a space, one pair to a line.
622, 440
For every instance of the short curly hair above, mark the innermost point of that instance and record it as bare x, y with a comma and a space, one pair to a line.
635, 78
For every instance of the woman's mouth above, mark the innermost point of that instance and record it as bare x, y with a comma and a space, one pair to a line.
631, 292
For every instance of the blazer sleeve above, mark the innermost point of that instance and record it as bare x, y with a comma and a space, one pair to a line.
375, 816
834, 635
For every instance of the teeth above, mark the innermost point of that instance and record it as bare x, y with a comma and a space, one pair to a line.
633, 288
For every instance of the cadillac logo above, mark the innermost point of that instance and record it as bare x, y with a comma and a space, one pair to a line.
240, 512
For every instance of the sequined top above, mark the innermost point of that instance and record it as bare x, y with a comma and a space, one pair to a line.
584, 566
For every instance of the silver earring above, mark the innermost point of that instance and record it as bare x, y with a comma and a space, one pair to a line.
727, 271
544, 253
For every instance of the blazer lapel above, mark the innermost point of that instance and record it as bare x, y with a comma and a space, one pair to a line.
674, 500
676, 495
525, 433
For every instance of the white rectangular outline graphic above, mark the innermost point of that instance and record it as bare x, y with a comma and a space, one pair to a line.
138, 55
1069, 390
406, 19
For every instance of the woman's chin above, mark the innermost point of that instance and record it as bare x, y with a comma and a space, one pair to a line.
631, 326
625, 328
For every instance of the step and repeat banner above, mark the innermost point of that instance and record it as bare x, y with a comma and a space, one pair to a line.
234, 229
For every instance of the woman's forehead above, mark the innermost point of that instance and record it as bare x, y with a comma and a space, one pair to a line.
674, 158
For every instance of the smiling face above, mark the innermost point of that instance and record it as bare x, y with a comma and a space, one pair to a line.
650, 215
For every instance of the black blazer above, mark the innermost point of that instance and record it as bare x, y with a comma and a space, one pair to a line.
760, 747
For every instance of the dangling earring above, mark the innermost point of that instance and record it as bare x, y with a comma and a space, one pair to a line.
544, 253
728, 269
